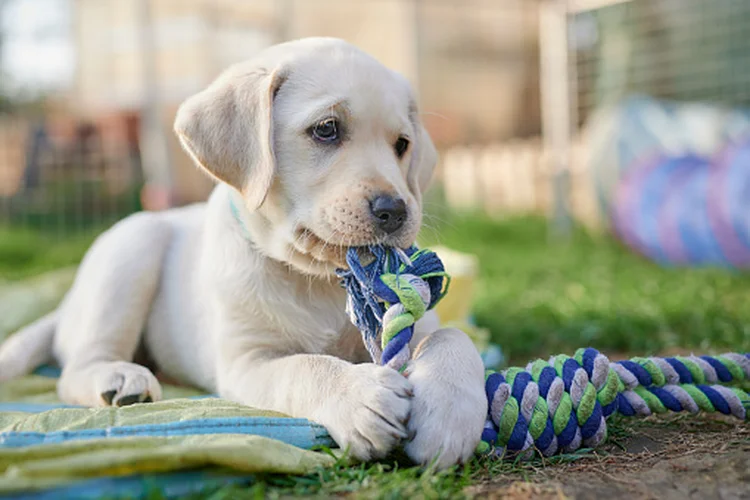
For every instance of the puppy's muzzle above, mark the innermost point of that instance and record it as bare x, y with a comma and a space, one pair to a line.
389, 213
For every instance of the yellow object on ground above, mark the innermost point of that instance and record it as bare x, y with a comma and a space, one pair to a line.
455, 308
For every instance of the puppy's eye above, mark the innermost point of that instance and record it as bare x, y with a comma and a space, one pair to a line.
402, 144
326, 131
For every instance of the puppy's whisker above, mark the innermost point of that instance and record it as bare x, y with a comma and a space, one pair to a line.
432, 216
321, 252
335, 234
436, 218
427, 203
435, 232
293, 246
437, 221
432, 113
309, 286
447, 222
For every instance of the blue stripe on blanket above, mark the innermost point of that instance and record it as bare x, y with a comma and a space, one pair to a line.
295, 431
33, 407
172, 485
41, 407
48, 371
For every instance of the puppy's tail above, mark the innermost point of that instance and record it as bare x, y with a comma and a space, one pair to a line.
28, 348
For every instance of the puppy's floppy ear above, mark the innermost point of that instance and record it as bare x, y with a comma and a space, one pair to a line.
227, 130
423, 159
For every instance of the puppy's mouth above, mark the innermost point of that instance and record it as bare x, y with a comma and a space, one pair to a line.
321, 250
307, 242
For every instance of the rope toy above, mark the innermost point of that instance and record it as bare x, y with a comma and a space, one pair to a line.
551, 406
392, 293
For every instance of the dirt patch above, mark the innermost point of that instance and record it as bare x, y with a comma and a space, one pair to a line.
680, 457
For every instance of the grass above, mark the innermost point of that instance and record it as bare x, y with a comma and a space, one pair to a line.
379, 480
25, 253
537, 298
383, 480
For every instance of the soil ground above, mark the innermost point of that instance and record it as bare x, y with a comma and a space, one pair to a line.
677, 458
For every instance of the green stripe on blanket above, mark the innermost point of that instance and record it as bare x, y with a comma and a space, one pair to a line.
47, 466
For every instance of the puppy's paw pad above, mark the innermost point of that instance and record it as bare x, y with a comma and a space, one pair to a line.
134, 398
109, 396
124, 384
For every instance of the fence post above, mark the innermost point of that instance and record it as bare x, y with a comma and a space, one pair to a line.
155, 155
416, 45
283, 29
556, 111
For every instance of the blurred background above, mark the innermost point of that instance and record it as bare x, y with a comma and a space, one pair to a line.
595, 154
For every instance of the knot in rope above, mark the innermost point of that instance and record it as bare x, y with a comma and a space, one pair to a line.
389, 295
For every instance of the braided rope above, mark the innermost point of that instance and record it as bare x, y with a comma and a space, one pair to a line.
563, 404
550, 406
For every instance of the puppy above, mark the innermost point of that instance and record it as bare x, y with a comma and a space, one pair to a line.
316, 147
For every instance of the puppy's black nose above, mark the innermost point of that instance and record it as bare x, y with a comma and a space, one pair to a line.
389, 212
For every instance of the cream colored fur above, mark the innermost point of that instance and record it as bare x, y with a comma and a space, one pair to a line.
251, 309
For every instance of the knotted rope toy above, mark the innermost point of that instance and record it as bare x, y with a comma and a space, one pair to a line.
388, 295
550, 406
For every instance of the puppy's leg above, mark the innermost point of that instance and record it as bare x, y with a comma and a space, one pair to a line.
449, 406
105, 312
364, 407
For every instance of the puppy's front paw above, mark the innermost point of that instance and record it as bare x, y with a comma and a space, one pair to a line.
369, 416
449, 407
446, 421
117, 383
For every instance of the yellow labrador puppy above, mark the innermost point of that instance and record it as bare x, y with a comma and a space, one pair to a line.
315, 147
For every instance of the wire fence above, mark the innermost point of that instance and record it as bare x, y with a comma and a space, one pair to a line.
70, 176
684, 50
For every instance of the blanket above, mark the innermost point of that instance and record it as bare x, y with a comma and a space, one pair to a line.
184, 444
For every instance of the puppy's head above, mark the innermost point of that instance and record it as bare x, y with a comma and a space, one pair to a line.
324, 145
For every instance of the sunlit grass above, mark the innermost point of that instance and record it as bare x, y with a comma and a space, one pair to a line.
25, 253
539, 297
